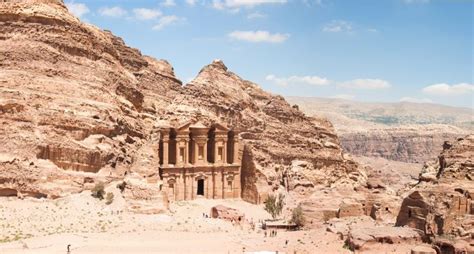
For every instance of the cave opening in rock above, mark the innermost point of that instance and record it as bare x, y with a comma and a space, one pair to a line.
200, 187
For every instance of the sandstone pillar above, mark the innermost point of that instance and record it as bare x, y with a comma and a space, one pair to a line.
216, 151
176, 189
218, 183
182, 186
185, 185
178, 156
193, 189
213, 178
222, 183
166, 139
186, 157
224, 151
196, 153
207, 187
236, 186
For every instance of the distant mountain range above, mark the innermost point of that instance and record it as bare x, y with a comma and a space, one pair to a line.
342, 112
408, 132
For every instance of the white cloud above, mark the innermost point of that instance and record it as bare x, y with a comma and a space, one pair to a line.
166, 21
146, 14
235, 4
343, 96
337, 26
416, 1
191, 2
449, 90
115, 11
256, 15
308, 80
77, 9
368, 84
415, 100
259, 36
168, 3
313, 2
218, 4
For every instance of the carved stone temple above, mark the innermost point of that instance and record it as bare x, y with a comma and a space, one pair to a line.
198, 160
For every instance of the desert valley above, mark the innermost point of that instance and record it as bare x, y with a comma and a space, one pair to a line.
105, 150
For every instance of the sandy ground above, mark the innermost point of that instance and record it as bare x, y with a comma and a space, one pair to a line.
90, 226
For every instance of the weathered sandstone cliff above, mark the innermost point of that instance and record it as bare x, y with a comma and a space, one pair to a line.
407, 132
78, 106
415, 144
442, 204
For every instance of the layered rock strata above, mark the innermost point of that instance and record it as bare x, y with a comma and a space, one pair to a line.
78, 107
442, 204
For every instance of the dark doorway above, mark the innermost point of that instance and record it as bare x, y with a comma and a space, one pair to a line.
200, 189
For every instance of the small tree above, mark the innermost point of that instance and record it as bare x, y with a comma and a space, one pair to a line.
274, 205
297, 216
109, 198
122, 186
98, 191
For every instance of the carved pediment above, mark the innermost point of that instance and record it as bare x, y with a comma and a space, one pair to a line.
220, 127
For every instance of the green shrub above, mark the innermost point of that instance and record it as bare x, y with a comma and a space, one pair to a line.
109, 198
274, 205
122, 186
98, 191
297, 217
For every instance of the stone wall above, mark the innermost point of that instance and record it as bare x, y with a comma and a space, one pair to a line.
220, 182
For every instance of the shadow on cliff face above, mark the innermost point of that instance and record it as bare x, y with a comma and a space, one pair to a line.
249, 177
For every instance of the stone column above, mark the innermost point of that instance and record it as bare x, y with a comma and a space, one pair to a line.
186, 152
236, 186
166, 139
204, 159
193, 191
208, 184
178, 158
213, 175
216, 149
218, 183
183, 184
196, 152
176, 188
224, 150
223, 183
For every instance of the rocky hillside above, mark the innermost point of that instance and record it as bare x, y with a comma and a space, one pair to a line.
407, 132
78, 106
441, 205
412, 143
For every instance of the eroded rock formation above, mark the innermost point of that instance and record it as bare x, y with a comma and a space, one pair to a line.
407, 132
415, 144
78, 106
442, 204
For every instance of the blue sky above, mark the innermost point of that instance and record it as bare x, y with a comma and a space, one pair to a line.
365, 50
